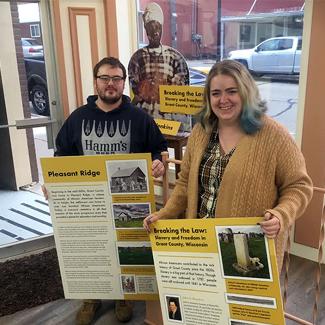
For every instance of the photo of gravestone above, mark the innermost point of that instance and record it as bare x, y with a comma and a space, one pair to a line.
243, 252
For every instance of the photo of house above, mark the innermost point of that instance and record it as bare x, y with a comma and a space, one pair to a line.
130, 215
128, 176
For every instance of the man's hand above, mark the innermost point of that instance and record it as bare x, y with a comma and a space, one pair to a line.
270, 225
148, 221
158, 168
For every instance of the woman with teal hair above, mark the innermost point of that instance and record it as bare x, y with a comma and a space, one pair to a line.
239, 162
253, 108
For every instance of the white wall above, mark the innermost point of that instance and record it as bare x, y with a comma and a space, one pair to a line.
12, 94
126, 13
84, 45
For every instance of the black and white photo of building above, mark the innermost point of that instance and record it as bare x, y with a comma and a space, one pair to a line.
128, 176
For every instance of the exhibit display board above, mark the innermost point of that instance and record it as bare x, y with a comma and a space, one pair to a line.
181, 99
216, 271
97, 205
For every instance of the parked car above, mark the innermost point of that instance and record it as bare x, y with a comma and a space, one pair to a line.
278, 55
32, 48
37, 85
198, 75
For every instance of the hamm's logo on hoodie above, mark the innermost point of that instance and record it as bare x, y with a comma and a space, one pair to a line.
105, 137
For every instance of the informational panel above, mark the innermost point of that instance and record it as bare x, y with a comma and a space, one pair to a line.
216, 271
97, 206
181, 99
168, 127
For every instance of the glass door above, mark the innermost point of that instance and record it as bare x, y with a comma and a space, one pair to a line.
27, 120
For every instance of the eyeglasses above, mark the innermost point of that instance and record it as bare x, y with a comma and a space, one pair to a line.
106, 79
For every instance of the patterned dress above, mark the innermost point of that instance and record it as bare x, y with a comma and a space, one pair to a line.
151, 67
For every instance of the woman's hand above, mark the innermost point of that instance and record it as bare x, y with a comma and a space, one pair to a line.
148, 221
270, 225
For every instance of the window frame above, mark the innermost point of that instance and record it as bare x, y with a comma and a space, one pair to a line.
35, 28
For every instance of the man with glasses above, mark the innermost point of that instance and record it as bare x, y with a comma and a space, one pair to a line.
110, 124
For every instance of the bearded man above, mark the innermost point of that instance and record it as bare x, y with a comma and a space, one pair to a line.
110, 124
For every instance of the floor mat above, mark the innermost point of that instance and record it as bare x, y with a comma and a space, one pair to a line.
23, 215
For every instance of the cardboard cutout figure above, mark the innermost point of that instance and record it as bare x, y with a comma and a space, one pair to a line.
155, 65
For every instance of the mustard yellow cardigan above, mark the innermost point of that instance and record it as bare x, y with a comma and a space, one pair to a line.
266, 172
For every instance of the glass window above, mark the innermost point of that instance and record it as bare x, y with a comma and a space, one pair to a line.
141, 31
245, 33
206, 31
35, 102
35, 30
285, 44
263, 32
294, 25
271, 45
278, 27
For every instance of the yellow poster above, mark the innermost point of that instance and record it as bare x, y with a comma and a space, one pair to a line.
167, 126
216, 271
97, 205
181, 99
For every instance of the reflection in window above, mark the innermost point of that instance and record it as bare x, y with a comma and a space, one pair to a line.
189, 26
204, 31
192, 26
141, 31
271, 45
285, 44
245, 33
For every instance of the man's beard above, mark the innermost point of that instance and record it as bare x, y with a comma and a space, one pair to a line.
108, 99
